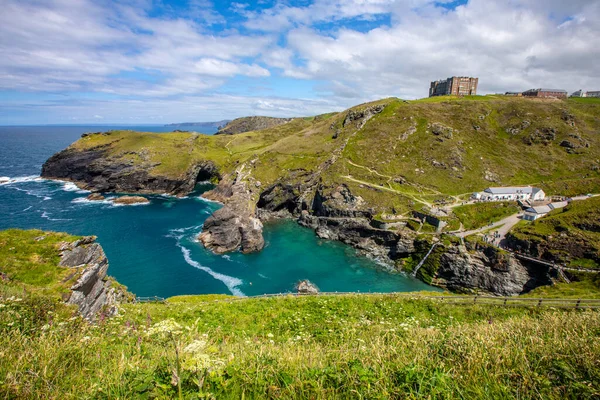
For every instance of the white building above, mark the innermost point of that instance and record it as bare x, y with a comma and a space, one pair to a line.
511, 193
533, 213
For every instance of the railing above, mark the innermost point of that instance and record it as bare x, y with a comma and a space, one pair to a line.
153, 299
464, 300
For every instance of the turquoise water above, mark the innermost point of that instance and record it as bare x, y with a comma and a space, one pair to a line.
152, 248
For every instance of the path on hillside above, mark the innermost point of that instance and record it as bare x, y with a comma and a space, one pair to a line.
504, 226
350, 178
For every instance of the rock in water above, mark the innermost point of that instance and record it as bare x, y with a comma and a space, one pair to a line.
129, 200
95, 197
92, 292
306, 287
4, 179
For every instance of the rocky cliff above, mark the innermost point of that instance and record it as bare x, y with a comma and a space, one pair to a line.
489, 270
247, 124
93, 292
98, 169
235, 225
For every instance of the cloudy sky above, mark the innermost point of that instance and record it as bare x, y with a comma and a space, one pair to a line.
162, 61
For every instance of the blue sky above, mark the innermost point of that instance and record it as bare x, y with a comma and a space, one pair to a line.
144, 61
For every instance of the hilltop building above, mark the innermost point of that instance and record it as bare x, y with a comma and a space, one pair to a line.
546, 93
454, 86
579, 93
512, 193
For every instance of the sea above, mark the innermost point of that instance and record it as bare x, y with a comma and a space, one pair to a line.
153, 249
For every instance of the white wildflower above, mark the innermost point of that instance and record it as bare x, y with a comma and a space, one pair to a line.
269, 335
164, 328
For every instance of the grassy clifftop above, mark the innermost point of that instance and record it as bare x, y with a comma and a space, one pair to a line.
359, 346
411, 154
570, 235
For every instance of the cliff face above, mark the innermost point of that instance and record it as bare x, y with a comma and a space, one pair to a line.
93, 292
235, 225
97, 170
247, 124
488, 270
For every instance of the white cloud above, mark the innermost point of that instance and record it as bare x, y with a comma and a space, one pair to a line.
153, 61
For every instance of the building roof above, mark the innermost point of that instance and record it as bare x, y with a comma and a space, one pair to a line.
539, 210
558, 204
511, 190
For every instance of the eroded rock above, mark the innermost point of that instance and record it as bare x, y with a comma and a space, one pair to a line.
93, 292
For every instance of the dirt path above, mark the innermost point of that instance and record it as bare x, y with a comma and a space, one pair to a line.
388, 189
504, 226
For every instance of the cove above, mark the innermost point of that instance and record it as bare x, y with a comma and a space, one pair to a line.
152, 249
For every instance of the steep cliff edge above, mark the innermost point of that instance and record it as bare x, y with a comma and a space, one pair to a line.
106, 168
93, 292
60, 266
235, 225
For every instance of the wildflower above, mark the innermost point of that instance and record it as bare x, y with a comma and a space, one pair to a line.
45, 327
197, 357
2, 305
269, 335
165, 328
85, 339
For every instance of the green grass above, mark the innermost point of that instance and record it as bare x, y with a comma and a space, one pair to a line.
375, 347
379, 156
31, 257
221, 347
478, 215
570, 235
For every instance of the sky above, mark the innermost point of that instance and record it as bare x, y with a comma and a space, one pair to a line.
145, 61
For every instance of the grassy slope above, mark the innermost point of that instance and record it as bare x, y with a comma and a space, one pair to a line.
31, 258
359, 346
578, 222
377, 158
475, 216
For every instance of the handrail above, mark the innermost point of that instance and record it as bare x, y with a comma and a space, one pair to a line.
467, 300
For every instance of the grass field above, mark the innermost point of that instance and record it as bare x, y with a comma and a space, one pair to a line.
351, 346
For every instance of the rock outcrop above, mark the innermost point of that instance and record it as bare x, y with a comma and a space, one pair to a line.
306, 287
247, 124
95, 197
131, 200
235, 225
488, 270
93, 292
97, 170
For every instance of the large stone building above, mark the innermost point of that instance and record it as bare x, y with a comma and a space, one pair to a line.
545, 93
455, 86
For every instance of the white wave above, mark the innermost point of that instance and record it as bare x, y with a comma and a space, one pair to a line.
84, 200
207, 200
28, 208
231, 282
71, 187
226, 256
47, 216
20, 179
47, 198
263, 276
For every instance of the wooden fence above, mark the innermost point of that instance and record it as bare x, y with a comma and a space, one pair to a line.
464, 300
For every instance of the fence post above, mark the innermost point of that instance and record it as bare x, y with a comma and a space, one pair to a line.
578, 303
505, 299
539, 303
474, 299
